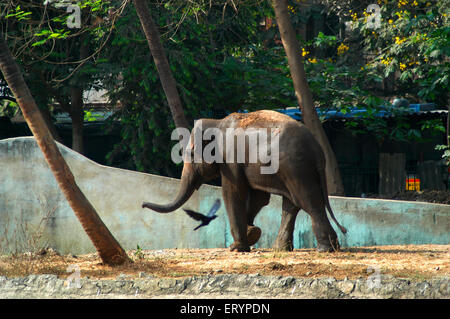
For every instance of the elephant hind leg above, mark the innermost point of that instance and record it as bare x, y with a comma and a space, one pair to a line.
310, 198
285, 238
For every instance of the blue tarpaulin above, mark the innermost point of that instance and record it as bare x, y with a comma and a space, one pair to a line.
355, 112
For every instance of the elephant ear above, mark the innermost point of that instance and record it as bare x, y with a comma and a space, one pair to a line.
194, 147
213, 146
205, 142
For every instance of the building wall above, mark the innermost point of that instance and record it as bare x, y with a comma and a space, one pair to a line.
34, 213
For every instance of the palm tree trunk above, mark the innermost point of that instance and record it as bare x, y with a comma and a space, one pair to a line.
304, 95
162, 65
52, 128
108, 248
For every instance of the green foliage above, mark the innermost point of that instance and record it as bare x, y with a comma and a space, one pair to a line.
413, 43
48, 51
89, 117
8, 108
446, 152
220, 65
410, 47
19, 14
139, 254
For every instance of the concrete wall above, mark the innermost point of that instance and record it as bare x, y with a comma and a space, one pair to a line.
34, 213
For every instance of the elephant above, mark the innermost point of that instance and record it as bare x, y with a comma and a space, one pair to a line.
300, 178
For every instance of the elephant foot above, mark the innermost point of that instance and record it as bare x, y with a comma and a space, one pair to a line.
284, 242
285, 246
331, 245
253, 234
324, 248
239, 247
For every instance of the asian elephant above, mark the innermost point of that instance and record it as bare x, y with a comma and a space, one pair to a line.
299, 176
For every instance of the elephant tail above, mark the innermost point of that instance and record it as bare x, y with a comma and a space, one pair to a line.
323, 184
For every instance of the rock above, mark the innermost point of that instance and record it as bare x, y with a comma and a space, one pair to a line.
166, 283
444, 289
121, 276
346, 286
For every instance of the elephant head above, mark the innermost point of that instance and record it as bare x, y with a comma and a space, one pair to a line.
195, 172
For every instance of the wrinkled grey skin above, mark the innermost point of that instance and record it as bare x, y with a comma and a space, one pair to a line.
300, 180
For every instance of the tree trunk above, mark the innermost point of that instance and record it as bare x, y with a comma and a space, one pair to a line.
447, 131
77, 116
108, 248
52, 128
162, 65
304, 95
76, 105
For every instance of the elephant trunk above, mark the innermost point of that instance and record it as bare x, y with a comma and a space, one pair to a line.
189, 183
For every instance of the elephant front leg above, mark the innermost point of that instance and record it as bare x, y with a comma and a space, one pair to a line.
285, 238
237, 216
257, 200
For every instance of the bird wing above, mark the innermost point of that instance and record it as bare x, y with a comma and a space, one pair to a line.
194, 215
214, 208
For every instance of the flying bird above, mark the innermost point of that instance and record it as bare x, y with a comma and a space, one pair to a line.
204, 219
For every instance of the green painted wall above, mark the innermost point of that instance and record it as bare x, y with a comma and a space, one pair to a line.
32, 206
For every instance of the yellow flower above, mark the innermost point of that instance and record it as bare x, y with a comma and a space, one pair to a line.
402, 66
386, 61
342, 48
390, 21
402, 3
314, 60
304, 52
399, 41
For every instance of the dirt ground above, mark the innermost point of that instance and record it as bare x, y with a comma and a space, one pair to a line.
416, 262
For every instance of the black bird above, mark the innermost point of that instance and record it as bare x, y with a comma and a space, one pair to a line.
204, 219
